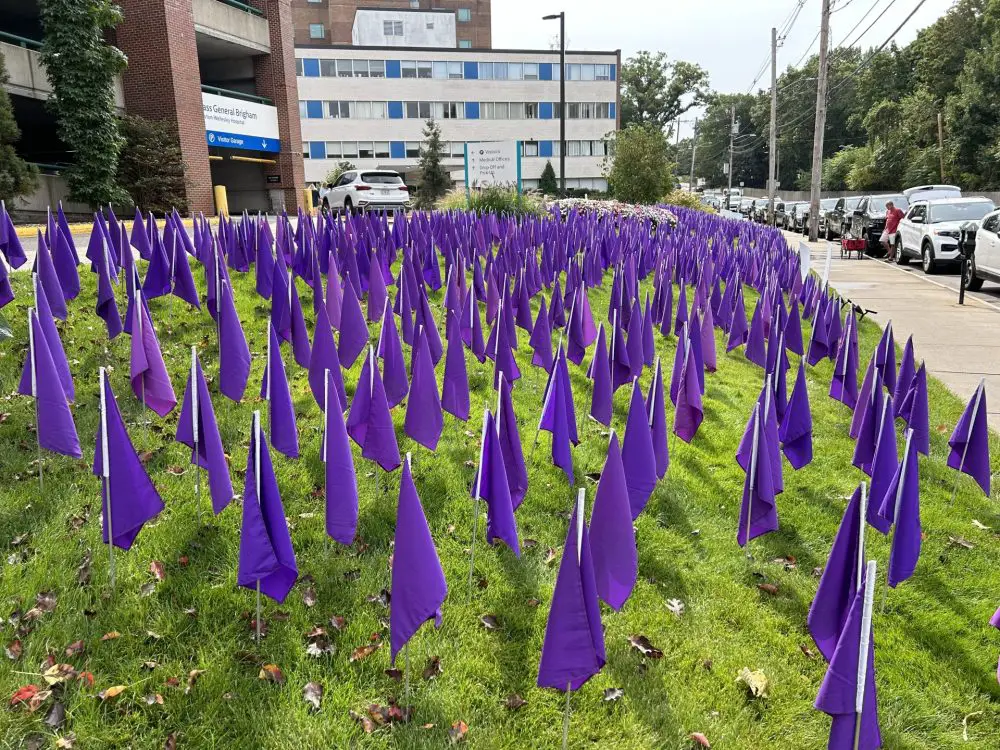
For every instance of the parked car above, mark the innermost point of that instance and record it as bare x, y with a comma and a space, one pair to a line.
733, 199
793, 216
838, 218
362, 190
868, 219
746, 206
930, 230
985, 263
779, 212
931, 192
826, 204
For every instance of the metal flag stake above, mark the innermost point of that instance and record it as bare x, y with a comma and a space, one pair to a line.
256, 472
106, 474
866, 627
479, 486
195, 419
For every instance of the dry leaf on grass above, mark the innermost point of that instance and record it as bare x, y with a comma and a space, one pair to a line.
111, 636
641, 644
613, 694
755, 681
514, 701
676, 606
768, 588
111, 692
701, 739
363, 652
157, 569
458, 731
312, 694
271, 673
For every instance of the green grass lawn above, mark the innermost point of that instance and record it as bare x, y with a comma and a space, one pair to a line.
936, 655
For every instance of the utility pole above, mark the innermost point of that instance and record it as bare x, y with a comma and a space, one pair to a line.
694, 150
732, 134
941, 143
817, 160
562, 97
773, 144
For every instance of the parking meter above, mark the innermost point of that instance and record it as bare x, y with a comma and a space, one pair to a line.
967, 247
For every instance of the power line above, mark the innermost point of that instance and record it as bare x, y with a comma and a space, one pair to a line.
869, 28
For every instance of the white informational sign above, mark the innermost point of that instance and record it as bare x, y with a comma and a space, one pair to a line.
492, 163
235, 123
805, 263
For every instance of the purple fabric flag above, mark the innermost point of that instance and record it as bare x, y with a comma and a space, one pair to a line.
53, 341
472, 329
490, 484
41, 379
915, 413
904, 380
341, 481
682, 312
795, 432
756, 350
128, 497
844, 385
738, 331
648, 343
970, 447
106, 308
264, 270
234, 354
884, 466
504, 362
793, 330
541, 340
370, 423
390, 349
424, 420
621, 365
197, 429
667, 309
148, 374
885, 358
864, 449
636, 354
267, 559
377, 294
864, 396
819, 343
573, 649
637, 453
600, 373
281, 411
6, 292
656, 409
418, 586
841, 579
852, 666
612, 539
558, 416
10, 245
708, 353
455, 386
353, 329
901, 505
45, 270
139, 239
323, 357
688, 413
680, 354
183, 286
758, 512
299, 332
510, 444
159, 273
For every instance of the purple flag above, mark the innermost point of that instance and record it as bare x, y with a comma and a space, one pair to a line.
267, 559
281, 411
472, 329
864, 396
541, 340
53, 341
353, 328
418, 586
755, 350
390, 349
182, 281
904, 380
377, 294
10, 245
707, 341
885, 358
558, 415
510, 444
795, 432
128, 497
503, 354
793, 329
148, 374
49, 279
844, 385
106, 308
601, 398
299, 332
198, 430
970, 447
424, 420
884, 466
369, 423
688, 413
915, 413
234, 354
490, 484
656, 409
901, 505
637, 453
612, 539
738, 331
455, 387
341, 481
41, 379
323, 357
758, 512
573, 649
841, 579
864, 449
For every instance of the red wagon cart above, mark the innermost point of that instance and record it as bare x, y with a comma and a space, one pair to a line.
849, 245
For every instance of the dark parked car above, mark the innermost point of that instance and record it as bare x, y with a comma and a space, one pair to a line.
826, 204
868, 219
793, 216
838, 219
779, 212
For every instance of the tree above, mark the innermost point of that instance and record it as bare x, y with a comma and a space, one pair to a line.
434, 179
151, 167
749, 148
17, 177
655, 91
547, 182
81, 68
334, 174
640, 171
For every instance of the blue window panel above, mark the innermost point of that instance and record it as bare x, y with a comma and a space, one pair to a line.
392, 69
471, 71
395, 110
317, 149
314, 109
545, 148
544, 110
310, 67
611, 110
614, 72
397, 150
544, 71
472, 110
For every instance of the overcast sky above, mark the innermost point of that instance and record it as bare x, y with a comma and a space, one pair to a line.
729, 38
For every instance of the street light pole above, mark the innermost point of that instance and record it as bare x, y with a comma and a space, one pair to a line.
732, 134
562, 96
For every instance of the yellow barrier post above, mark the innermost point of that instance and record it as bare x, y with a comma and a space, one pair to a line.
221, 201
307, 200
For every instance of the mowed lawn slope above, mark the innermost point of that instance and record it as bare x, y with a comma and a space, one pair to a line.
936, 655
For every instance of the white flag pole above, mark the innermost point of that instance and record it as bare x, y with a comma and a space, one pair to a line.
106, 472
657, 377
34, 385
866, 628
173, 261
194, 427
256, 473
479, 487
895, 506
862, 522
753, 472
965, 448
326, 441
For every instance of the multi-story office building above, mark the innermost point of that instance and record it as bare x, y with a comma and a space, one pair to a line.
368, 105
221, 72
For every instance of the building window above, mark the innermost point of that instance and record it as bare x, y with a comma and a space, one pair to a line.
317, 31
415, 4
430, 24
345, 68
598, 148
453, 110
514, 71
314, 2
305, 149
603, 110
361, 110
412, 150
464, 15
380, 110
328, 68
333, 150
572, 148
572, 110
531, 110
602, 72
298, 67
516, 110
572, 71
464, 44
381, 149
408, 69
366, 150
448, 70
587, 73
350, 150
303, 109
376, 68
458, 148
360, 68
531, 148
392, 28
425, 69
531, 71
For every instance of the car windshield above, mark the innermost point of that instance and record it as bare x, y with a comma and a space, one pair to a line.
960, 211
828, 203
381, 178
851, 203
877, 203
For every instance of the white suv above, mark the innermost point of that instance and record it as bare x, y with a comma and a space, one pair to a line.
362, 190
930, 229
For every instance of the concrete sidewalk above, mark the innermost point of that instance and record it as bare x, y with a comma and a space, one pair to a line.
959, 343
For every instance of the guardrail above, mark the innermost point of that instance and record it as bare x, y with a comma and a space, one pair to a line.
244, 7
20, 41
235, 94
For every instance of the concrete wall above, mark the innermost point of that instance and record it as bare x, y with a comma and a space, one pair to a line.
419, 29
51, 190
28, 77
232, 25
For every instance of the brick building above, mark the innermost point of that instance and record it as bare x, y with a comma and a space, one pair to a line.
221, 71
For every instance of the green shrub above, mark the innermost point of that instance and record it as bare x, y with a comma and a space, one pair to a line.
547, 182
491, 200
151, 165
685, 199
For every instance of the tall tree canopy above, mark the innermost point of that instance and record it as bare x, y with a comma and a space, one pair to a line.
656, 91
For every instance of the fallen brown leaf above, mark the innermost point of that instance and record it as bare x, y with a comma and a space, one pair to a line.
458, 731
23, 694
193, 676
396, 674
514, 701
363, 652
700, 739
768, 588
66, 742
312, 694
46, 601
613, 694
433, 668
756, 682
154, 698
271, 673
489, 622
156, 568
366, 724
58, 673
641, 644
74, 648
14, 650
810, 654
309, 596
111, 636
56, 716
111, 692
337, 622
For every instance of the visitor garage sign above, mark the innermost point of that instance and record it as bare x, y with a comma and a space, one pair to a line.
235, 123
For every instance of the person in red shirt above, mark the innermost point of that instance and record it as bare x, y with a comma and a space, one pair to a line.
892, 217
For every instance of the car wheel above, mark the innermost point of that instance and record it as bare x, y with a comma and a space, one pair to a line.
827, 234
972, 282
927, 258
901, 259
349, 207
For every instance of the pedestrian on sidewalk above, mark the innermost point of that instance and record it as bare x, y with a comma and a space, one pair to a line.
892, 217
